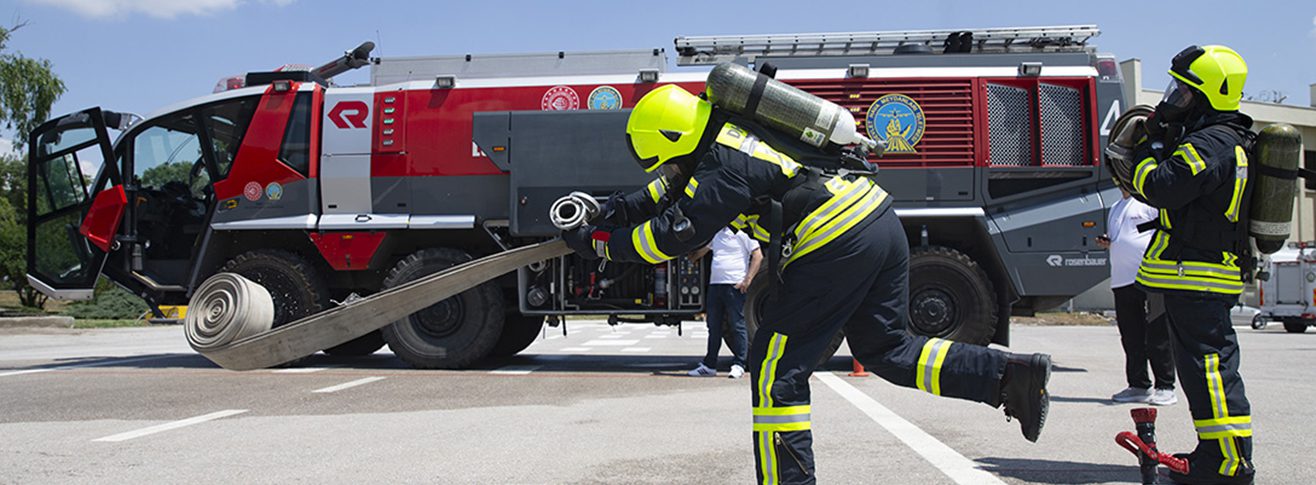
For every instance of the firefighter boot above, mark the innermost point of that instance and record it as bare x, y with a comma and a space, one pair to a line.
1206, 463
1023, 391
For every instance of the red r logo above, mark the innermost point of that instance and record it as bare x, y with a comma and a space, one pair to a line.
349, 114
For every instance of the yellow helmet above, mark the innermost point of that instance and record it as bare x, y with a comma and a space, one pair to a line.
665, 124
1215, 71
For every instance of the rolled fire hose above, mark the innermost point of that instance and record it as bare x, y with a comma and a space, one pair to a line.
237, 337
227, 308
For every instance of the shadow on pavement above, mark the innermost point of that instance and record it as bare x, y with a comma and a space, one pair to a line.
1090, 400
1060, 472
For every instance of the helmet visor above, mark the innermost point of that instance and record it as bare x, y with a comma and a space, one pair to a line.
1178, 95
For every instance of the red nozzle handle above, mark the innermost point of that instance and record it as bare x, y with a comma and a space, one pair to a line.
1135, 445
1143, 415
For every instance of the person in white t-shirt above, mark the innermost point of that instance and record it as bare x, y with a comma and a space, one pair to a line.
1143, 341
736, 259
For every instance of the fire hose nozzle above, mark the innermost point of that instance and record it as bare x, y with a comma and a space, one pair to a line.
573, 210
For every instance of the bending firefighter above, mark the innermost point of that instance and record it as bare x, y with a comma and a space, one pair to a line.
845, 266
1189, 159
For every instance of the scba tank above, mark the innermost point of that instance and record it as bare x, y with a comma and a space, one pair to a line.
1271, 211
754, 95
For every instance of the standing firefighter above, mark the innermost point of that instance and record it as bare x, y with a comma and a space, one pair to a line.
1190, 160
847, 267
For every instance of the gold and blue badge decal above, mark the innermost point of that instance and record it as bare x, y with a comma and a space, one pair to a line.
604, 98
897, 120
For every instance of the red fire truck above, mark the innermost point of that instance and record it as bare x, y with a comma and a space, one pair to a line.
323, 193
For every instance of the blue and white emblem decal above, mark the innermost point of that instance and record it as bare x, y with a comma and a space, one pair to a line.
274, 191
605, 98
897, 120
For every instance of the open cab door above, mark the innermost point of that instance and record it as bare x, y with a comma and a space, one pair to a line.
75, 201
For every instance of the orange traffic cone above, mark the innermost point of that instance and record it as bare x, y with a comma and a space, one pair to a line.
858, 369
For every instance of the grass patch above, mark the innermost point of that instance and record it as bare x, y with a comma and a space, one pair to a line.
108, 323
1064, 319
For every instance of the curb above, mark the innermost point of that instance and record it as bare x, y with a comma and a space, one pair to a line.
46, 321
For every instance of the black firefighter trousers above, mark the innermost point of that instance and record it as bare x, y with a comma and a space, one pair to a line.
859, 282
1206, 355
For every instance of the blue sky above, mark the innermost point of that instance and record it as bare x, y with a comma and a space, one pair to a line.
139, 55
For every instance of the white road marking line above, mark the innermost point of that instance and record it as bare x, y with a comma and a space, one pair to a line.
348, 385
576, 349
77, 366
301, 370
170, 425
612, 336
619, 343
655, 336
635, 349
960, 469
515, 370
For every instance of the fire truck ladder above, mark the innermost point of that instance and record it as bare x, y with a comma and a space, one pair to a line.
706, 50
227, 324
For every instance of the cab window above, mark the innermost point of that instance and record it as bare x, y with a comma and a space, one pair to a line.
167, 158
226, 123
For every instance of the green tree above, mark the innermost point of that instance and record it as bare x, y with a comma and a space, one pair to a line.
28, 87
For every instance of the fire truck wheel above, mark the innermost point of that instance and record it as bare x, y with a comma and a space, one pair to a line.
453, 333
294, 285
950, 296
1295, 325
519, 331
755, 301
358, 347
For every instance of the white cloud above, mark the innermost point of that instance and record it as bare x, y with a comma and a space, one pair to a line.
162, 9
7, 147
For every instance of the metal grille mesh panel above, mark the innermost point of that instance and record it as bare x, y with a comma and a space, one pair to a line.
1009, 126
1062, 125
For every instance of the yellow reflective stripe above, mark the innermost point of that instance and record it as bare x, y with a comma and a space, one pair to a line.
1145, 168
1189, 284
690, 188
797, 426
657, 188
767, 458
1229, 451
1236, 426
645, 244
1159, 242
1191, 268
840, 224
1189, 154
783, 411
843, 195
929, 365
1165, 219
1240, 183
767, 370
736, 137
1216, 387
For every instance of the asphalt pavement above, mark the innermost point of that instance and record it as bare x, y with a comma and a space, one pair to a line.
600, 405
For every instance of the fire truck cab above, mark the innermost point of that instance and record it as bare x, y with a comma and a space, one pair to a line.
321, 193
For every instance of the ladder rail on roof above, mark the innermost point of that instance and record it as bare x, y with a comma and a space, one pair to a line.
702, 50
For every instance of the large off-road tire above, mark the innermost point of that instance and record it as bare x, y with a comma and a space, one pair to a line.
296, 288
453, 333
755, 301
519, 331
358, 347
950, 296
1295, 325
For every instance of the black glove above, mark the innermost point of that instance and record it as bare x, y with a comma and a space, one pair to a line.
585, 241
613, 211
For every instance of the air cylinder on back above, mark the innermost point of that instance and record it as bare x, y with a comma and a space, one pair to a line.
754, 95
1271, 212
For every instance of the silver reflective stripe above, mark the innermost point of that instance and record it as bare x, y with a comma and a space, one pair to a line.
1153, 279
789, 418
1217, 428
1203, 269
